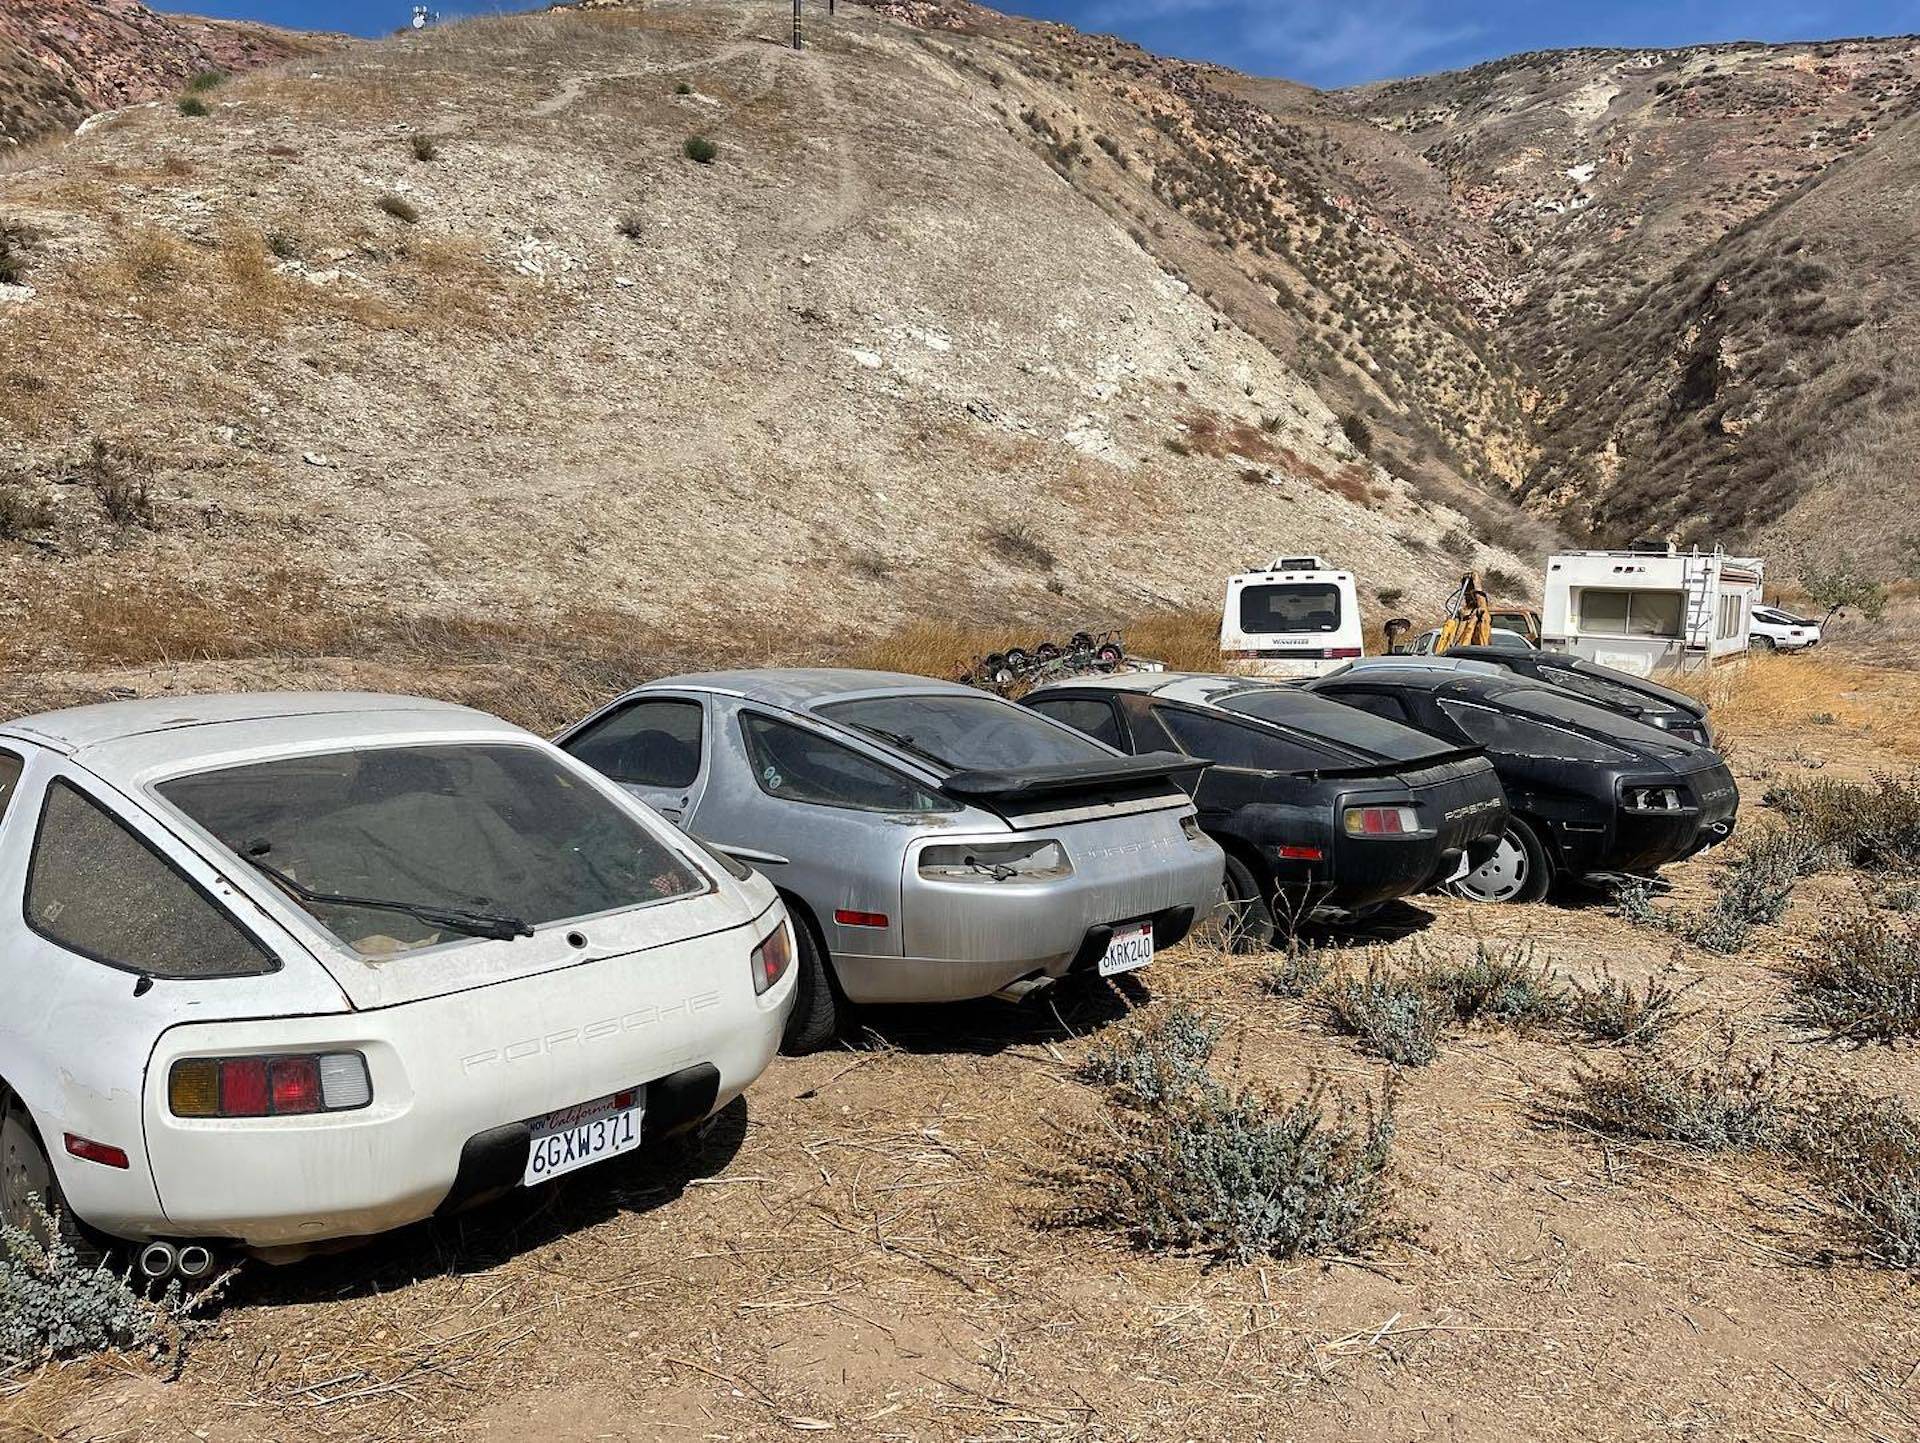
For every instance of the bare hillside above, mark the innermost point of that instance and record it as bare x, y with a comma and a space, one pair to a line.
61, 60
453, 327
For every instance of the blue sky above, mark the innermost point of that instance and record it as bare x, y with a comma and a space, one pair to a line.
1323, 42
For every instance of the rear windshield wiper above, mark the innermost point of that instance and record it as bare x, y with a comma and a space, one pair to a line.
907, 744
496, 925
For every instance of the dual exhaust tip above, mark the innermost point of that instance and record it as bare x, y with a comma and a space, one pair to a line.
159, 1260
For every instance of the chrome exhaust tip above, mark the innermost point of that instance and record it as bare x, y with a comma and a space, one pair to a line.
158, 1260
194, 1262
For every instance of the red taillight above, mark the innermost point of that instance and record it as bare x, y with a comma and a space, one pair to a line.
772, 957
848, 918
1381, 821
294, 1084
275, 1085
1340, 652
243, 1087
1301, 854
104, 1153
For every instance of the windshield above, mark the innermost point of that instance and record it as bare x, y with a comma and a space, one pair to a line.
501, 831
1609, 693
967, 733
1309, 606
1332, 721
1563, 710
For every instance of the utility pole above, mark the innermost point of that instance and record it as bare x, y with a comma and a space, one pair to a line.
796, 24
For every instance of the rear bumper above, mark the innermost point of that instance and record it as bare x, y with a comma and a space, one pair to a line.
447, 1072
970, 939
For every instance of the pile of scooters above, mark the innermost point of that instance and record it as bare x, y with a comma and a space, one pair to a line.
1083, 654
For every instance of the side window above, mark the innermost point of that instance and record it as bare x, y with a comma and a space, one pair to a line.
95, 888
648, 743
1084, 714
1229, 744
10, 769
1378, 703
799, 765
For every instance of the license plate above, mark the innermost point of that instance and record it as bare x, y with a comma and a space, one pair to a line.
576, 1136
1129, 948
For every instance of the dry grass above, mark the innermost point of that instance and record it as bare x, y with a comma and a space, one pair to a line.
1767, 695
1184, 640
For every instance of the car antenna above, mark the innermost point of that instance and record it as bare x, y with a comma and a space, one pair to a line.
142, 985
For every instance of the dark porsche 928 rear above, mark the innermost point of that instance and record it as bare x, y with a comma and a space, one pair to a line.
1332, 812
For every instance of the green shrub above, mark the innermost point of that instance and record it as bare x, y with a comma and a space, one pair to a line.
1296, 971
206, 80
193, 105
1164, 1058
54, 1305
1356, 429
1236, 1176
1755, 888
698, 148
1391, 1015
1858, 978
399, 207
682, 88
1504, 987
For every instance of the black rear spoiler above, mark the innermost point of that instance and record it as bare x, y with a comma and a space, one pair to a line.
1015, 783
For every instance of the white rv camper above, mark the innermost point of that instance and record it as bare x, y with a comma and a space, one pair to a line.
1649, 609
1299, 617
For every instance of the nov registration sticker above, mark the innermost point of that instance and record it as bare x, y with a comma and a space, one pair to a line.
576, 1136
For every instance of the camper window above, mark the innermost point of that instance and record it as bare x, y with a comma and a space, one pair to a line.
1631, 613
1296, 606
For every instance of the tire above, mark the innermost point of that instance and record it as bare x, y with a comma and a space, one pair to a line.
818, 1008
1046, 651
1245, 912
25, 1171
1518, 871
1763, 643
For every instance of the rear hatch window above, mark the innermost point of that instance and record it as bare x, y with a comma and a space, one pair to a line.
966, 733
393, 849
1559, 709
1358, 731
1290, 608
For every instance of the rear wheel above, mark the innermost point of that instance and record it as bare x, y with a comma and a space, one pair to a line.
817, 1008
27, 1174
1245, 914
1518, 870
1764, 643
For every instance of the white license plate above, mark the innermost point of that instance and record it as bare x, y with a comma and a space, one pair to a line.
575, 1136
1129, 948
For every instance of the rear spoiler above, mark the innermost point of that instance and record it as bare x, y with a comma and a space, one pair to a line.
1387, 767
1016, 783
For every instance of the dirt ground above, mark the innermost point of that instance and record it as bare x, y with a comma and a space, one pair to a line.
861, 1246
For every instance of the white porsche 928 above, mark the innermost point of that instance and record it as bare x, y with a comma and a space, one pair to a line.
286, 969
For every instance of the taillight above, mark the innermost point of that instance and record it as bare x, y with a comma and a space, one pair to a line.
849, 917
1340, 652
279, 1085
772, 958
1381, 821
1299, 854
1041, 860
104, 1153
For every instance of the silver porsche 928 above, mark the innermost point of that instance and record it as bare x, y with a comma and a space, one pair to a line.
933, 842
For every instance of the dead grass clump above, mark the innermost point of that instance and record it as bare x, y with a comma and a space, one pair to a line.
121, 479
1184, 640
1714, 1106
153, 260
1864, 1152
399, 207
1874, 825
1612, 1011
22, 511
1016, 547
632, 225
1858, 979
423, 146
1392, 1015
17, 238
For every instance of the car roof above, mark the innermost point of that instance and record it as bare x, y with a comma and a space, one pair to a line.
75, 729
1444, 662
1482, 679
804, 688
1190, 686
